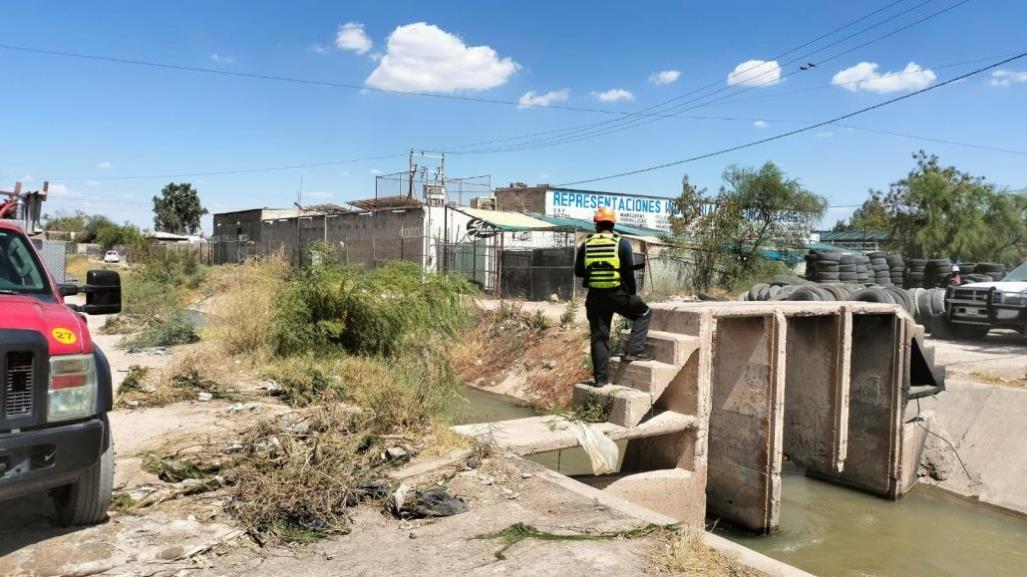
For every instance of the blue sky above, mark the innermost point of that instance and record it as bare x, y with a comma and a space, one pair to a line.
86, 125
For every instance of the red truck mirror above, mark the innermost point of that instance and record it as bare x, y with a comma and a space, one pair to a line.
103, 293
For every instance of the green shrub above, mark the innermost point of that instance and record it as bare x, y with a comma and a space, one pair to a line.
375, 312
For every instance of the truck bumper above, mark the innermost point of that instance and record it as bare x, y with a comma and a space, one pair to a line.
33, 461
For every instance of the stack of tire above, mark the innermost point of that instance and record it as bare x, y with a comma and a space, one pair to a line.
864, 274
926, 306
993, 270
896, 268
823, 266
881, 271
913, 276
937, 272
848, 268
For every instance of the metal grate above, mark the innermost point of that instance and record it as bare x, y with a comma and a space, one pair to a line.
18, 385
970, 294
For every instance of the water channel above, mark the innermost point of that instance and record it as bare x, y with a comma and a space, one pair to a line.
831, 531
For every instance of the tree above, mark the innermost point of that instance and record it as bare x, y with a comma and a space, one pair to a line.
178, 209
940, 211
754, 210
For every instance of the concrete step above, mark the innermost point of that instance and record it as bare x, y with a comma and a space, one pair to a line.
671, 348
547, 433
628, 406
649, 376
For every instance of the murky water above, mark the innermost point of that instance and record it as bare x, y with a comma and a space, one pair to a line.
833, 531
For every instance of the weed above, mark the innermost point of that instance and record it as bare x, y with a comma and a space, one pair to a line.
509, 311
371, 313
134, 379
518, 532
538, 321
121, 501
243, 307
595, 409
570, 313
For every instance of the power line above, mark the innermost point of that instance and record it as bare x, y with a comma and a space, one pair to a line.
803, 129
608, 126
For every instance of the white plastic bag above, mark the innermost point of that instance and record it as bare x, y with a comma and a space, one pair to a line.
602, 451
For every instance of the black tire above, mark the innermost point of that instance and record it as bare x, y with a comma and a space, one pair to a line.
878, 254
827, 276
903, 298
846, 268
805, 293
838, 291
938, 302
754, 291
988, 267
939, 262
923, 304
847, 259
785, 280
847, 276
968, 332
917, 262
85, 502
872, 295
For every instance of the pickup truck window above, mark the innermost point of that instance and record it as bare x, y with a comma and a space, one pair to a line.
20, 272
1018, 274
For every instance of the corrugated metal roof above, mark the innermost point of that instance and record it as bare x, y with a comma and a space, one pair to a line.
508, 220
588, 225
853, 235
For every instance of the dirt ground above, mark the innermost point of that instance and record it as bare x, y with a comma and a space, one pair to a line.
1000, 358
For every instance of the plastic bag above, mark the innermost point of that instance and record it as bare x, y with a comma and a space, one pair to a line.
602, 451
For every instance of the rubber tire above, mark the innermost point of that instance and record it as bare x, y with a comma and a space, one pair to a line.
923, 304
903, 298
828, 276
938, 302
873, 295
85, 502
989, 267
805, 293
837, 291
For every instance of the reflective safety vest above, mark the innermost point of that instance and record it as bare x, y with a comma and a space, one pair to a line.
602, 261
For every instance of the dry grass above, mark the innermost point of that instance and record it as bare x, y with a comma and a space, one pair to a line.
504, 342
684, 553
242, 309
993, 379
77, 265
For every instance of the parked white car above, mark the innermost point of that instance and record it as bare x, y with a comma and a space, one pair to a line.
111, 256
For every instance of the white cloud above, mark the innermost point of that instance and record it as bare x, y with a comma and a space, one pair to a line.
222, 58
1003, 77
532, 99
614, 95
351, 36
665, 77
423, 57
104, 165
755, 73
865, 77
92, 183
317, 49
760, 123
27, 178
825, 134
376, 171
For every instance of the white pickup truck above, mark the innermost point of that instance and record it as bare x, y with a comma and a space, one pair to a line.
974, 309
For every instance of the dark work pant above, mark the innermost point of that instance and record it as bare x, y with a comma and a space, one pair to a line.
600, 305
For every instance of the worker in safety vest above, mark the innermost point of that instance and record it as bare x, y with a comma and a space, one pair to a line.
606, 263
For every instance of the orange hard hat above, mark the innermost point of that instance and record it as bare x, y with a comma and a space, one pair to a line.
605, 214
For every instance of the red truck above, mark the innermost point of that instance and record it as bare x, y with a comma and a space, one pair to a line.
55, 385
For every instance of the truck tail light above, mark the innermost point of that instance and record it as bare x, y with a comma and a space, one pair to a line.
72, 392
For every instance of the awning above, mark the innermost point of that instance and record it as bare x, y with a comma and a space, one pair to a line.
509, 221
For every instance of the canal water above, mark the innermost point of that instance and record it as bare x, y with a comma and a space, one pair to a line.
832, 531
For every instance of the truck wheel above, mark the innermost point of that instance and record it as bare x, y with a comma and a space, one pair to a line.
85, 502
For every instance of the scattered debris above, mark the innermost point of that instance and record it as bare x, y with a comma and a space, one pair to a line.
242, 407
271, 387
518, 532
204, 397
434, 502
486, 479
